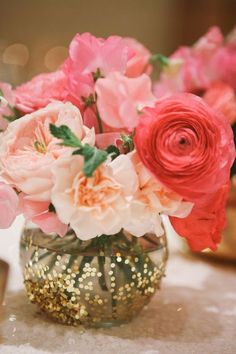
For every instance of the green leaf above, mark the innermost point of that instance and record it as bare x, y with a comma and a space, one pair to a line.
93, 158
163, 60
97, 75
127, 141
113, 151
64, 133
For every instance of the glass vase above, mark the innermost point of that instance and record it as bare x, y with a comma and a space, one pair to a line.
101, 282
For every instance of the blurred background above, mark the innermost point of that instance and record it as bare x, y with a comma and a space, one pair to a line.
34, 34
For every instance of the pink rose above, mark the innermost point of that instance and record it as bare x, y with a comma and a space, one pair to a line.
221, 97
38, 213
139, 63
120, 99
40, 91
28, 150
8, 205
186, 145
87, 55
5, 105
203, 227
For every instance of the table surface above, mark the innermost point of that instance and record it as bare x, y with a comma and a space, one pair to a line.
194, 312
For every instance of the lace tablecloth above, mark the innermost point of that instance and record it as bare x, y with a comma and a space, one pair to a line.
195, 312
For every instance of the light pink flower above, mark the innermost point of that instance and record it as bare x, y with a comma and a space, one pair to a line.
87, 55
190, 68
28, 150
8, 205
223, 65
139, 63
221, 97
150, 201
97, 205
5, 105
120, 99
38, 213
40, 91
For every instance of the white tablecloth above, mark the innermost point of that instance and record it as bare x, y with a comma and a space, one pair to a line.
194, 313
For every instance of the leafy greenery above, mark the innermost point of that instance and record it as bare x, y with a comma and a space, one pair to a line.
163, 60
127, 142
113, 151
93, 157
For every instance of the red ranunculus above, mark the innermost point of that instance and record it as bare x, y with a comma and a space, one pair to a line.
188, 146
203, 227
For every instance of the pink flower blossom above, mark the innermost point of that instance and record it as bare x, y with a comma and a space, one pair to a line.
38, 213
221, 97
204, 225
190, 68
28, 149
40, 91
139, 63
8, 205
120, 99
223, 65
150, 201
89, 56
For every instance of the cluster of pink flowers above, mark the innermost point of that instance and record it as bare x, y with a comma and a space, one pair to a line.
96, 151
208, 69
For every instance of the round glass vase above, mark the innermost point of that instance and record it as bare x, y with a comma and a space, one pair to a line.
102, 282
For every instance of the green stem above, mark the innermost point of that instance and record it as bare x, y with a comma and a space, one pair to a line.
99, 122
102, 279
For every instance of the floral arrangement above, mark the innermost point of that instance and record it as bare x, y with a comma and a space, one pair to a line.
92, 147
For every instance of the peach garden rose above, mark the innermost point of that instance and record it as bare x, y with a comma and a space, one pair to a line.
97, 205
28, 150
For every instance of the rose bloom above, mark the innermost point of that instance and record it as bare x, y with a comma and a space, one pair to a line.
9, 203
186, 145
96, 205
139, 63
119, 99
28, 150
150, 200
203, 227
40, 91
8, 100
221, 97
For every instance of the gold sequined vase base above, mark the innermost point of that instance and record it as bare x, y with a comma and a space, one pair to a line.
102, 282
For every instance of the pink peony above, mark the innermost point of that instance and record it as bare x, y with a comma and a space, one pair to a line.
38, 213
203, 227
40, 91
28, 150
139, 63
8, 205
221, 97
6, 103
186, 145
120, 99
